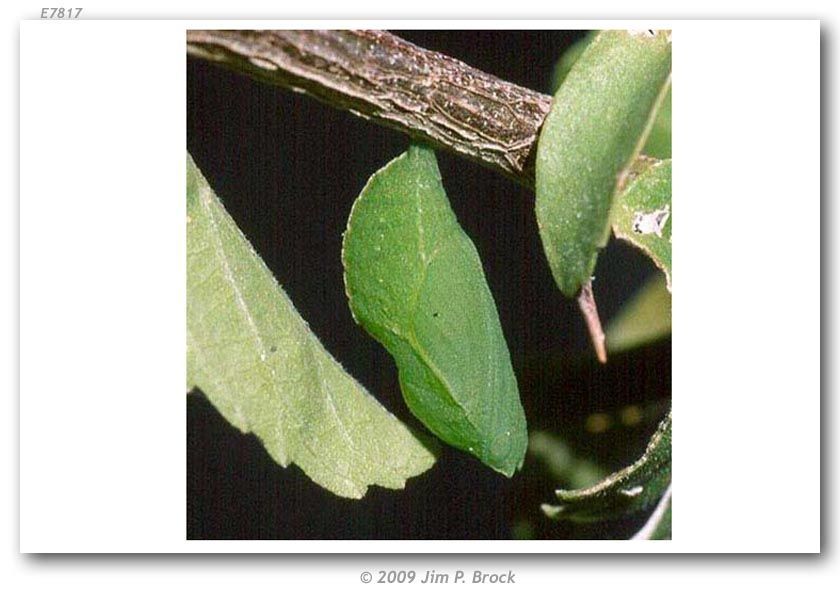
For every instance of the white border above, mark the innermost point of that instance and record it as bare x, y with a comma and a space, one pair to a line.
91, 211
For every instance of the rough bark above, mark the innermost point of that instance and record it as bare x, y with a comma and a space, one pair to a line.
378, 76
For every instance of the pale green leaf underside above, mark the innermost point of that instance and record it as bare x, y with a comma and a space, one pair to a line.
633, 489
642, 212
415, 283
598, 123
258, 363
645, 318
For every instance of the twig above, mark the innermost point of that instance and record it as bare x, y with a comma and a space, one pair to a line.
586, 302
381, 77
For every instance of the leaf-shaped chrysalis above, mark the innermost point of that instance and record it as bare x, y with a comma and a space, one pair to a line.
415, 283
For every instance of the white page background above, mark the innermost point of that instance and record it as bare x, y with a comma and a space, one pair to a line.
102, 166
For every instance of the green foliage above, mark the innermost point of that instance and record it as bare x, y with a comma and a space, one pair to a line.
658, 144
633, 489
642, 212
589, 175
645, 318
658, 525
568, 60
598, 123
415, 283
259, 364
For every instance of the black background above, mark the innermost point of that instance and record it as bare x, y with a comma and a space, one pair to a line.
288, 170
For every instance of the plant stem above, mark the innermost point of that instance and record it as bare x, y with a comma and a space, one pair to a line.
586, 302
381, 77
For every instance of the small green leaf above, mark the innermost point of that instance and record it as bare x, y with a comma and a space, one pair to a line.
644, 319
633, 489
642, 211
259, 364
415, 283
597, 124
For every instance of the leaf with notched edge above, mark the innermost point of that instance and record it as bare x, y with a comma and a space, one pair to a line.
415, 283
259, 364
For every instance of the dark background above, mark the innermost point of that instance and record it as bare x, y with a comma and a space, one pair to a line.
288, 170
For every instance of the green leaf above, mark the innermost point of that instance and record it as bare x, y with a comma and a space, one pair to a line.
597, 124
633, 489
644, 319
415, 283
642, 211
658, 525
658, 143
259, 364
568, 59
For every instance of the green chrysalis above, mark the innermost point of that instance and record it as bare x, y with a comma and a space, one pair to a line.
415, 283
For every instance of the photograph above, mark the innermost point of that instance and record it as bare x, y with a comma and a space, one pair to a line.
428, 284
354, 300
